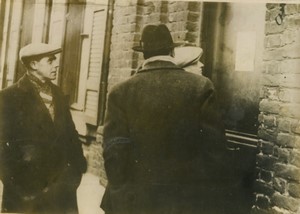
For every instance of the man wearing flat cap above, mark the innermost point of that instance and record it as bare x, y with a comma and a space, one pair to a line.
41, 158
164, 142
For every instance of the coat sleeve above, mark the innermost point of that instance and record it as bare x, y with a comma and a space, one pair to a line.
76, 154
117, 144
5, 135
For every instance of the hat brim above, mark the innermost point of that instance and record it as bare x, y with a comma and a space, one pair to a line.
141, 49
52, 52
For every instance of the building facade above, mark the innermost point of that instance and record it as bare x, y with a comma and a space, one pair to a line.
251, 53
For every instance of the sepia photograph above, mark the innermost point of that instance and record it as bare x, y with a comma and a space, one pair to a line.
150, 106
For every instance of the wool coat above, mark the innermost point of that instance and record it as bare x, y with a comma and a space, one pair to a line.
41, 160
164, 145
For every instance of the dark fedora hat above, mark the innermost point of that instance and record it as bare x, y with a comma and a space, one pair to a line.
155, 38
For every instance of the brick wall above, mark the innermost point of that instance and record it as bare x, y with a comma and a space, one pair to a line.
278, 163
182, 18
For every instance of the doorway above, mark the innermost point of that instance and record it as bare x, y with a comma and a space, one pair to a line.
72, 48
232, 38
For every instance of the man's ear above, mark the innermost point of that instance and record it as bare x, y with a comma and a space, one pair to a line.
33, 64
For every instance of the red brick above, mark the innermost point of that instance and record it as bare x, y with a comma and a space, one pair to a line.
284, 124
286, 171
268, 135
273, 41
282, 154
291, 65
272, 93
194, 16
289, 80
280, 185
289, 95
271, 6
164, 7
269, 121
273, 28
288, 37
270, 80
268, 16
194, 6
128, 10
267, 147
182, 6
172, 7
290, 110
294, 190
269, 106
154, 18
147, 9
178, 36
266, 175
133, 18
296, 127
291, 51
261, 118
294, 157
262, 187
193, 26
277, 210
263, 202
271, 67
164, 18
293, 21
265, 162
285, 202
275, 54
285, 140
290, 9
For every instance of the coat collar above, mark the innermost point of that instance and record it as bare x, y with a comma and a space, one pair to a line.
25, 84
158, 65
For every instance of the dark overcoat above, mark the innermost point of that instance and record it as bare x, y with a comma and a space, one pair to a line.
164, 145
41, 160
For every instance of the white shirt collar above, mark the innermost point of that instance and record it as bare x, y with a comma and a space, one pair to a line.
158, 58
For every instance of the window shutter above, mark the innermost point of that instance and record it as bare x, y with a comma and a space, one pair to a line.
95, 66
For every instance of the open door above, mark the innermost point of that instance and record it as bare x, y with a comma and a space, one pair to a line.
232, 39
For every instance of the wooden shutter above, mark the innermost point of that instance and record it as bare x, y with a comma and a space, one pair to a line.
95, 65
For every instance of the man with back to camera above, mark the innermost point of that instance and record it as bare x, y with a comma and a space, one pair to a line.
164, 142
41, 158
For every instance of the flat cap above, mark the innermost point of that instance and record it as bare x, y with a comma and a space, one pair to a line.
187, 55
38, 49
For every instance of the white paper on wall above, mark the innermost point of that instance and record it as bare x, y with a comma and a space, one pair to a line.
245, 51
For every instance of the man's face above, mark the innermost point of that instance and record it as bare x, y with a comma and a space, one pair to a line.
46, 68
